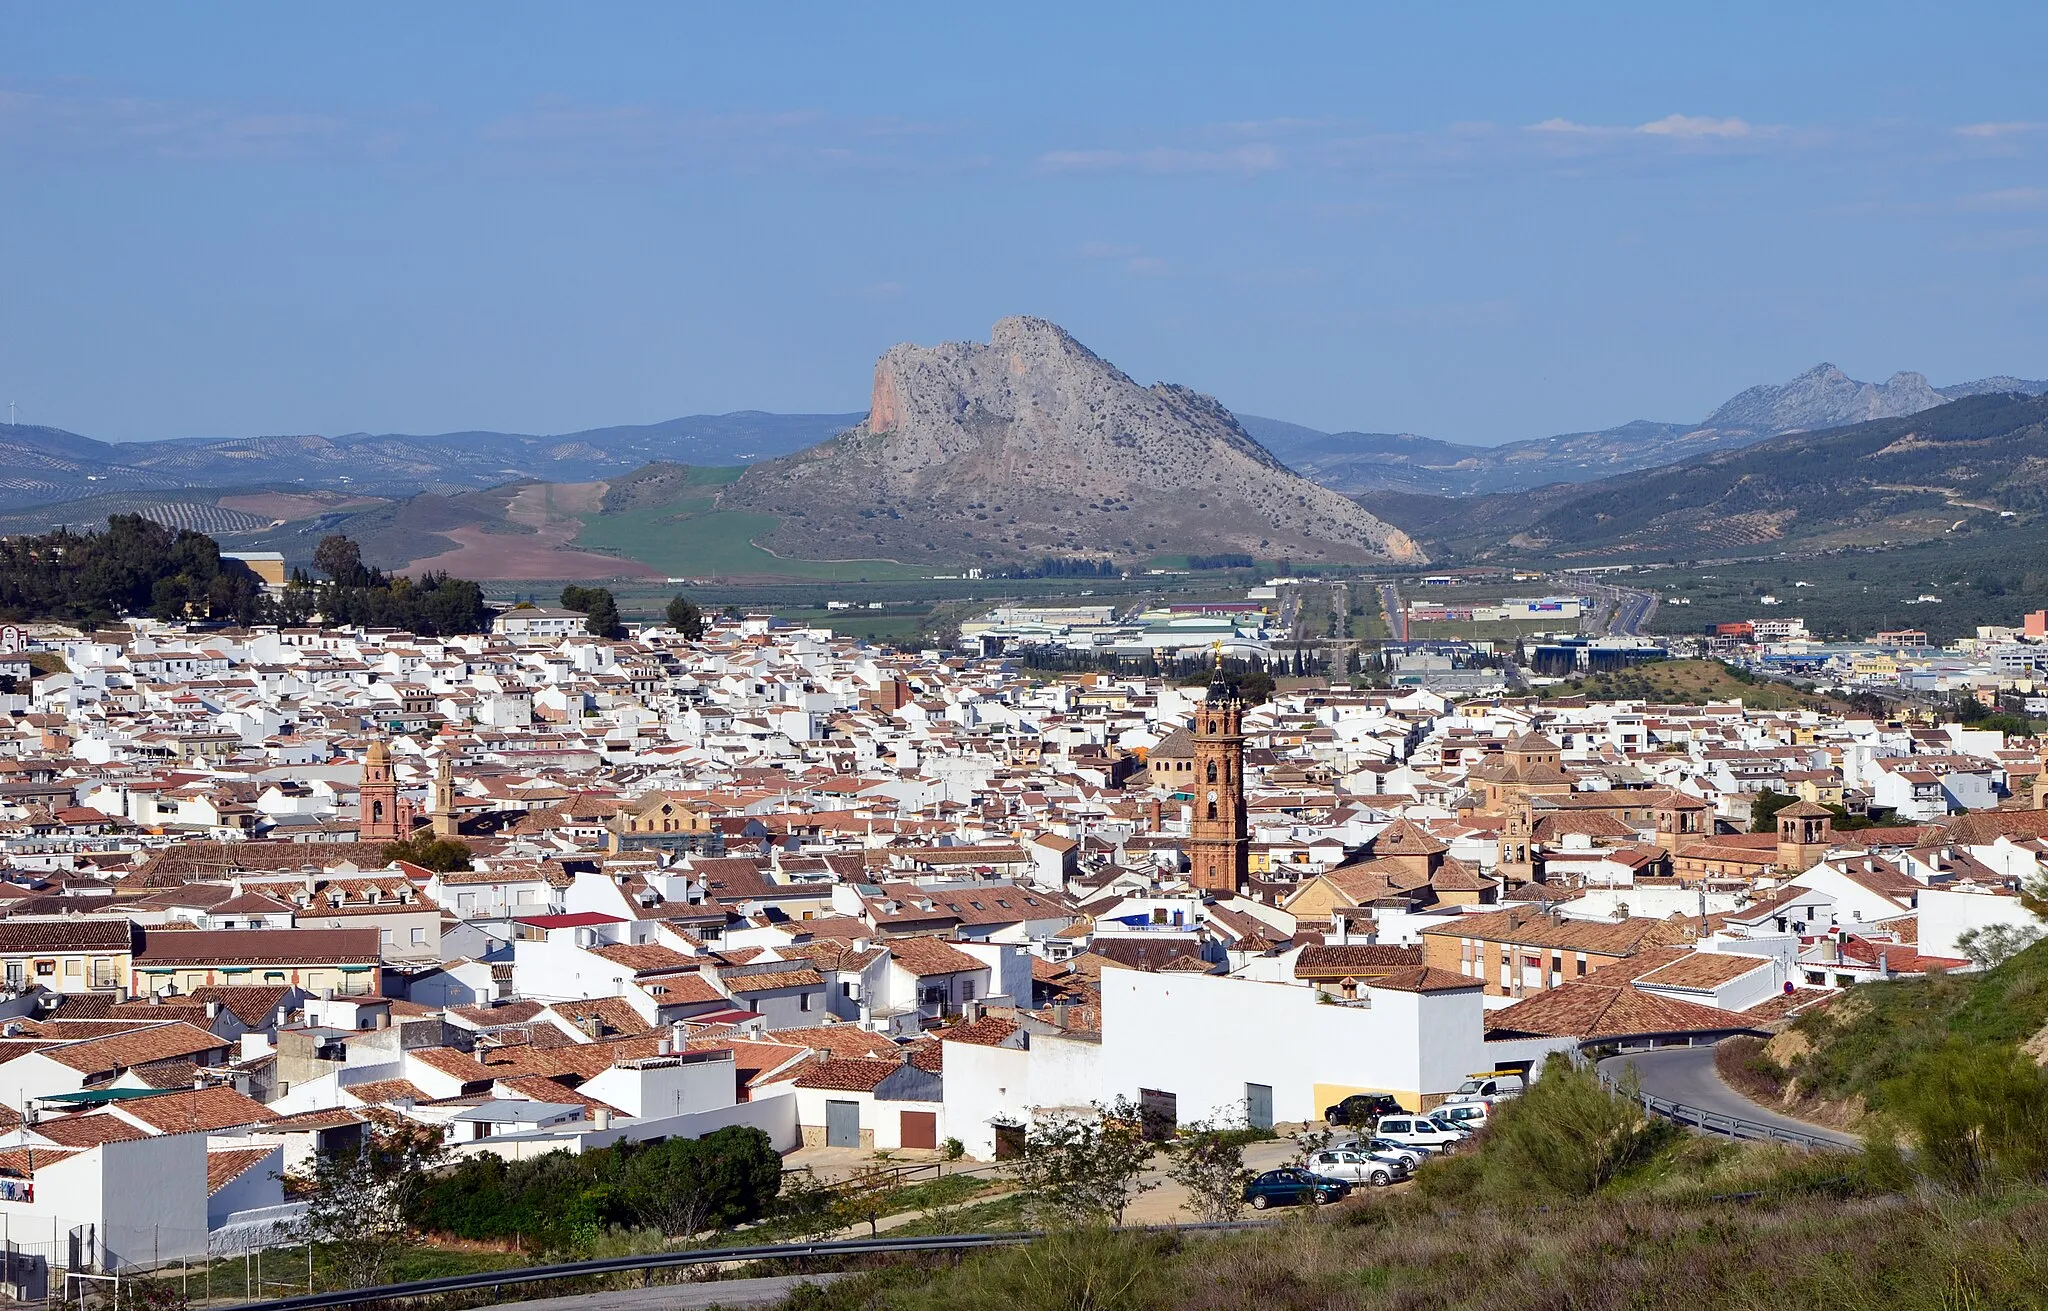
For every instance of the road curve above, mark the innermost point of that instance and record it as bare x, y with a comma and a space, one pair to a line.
765, 1291
1686, 1074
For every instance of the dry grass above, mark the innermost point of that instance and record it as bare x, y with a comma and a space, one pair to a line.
1394, 1254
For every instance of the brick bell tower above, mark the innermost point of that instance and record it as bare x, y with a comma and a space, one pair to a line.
1219, 850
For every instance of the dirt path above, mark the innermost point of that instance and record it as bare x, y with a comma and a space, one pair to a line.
545, 553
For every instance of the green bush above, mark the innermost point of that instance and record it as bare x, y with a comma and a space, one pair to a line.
563, 1202
1977, 1113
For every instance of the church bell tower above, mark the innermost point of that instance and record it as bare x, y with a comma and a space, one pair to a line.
1219, 848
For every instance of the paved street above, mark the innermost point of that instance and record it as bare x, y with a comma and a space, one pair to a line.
1686, 1074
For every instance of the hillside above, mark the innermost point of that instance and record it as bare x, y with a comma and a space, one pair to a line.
1821, 397
47, 466
1033, 446
1978, 465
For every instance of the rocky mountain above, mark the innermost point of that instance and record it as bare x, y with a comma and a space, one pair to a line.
1033, 446
1970, 467
1359, 462
48, 466
1822, 397
1825, 397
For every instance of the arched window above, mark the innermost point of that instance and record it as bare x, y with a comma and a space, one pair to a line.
1212, 810
1212, 771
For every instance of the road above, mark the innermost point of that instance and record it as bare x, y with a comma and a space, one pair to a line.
1686, 1074
765, 1291
1397, 618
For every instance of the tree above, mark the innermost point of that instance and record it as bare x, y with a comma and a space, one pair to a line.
600, 610
685, 1185
1978, 1115
1764, 808
340, 559
1079, 1166
360, 1203
442, 855
1209, 1163
686, 618
1991, 945
1569, 1135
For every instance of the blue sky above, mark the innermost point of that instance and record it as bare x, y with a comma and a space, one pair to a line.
1476, 222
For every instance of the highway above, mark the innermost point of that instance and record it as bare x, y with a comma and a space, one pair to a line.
1397, 618
764, 1291
1686, 1074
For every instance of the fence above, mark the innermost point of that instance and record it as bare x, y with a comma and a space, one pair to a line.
496, 1279
1732, 1126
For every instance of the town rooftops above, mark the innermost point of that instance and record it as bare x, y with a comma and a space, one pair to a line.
199, 947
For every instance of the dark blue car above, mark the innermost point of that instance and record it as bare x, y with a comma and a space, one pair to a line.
1291, 1186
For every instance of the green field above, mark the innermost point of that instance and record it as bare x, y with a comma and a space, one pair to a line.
690, 538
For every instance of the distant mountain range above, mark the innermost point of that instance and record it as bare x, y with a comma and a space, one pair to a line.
46, 466
1821, 397
1971, 466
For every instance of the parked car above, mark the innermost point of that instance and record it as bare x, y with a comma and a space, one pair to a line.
1468, 1116
1420, 1131
1290, 1186
1357, 1167
1489, 1088
1361, 1109
1387, 1147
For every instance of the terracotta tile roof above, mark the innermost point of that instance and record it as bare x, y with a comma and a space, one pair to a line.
1533, 929
766, 980
196, 1110
839, 1039
928, 956
455, 1064
23, 1162
332, 1118
1702, 970
381, 1091
684, 990
647, 958
1424, 978
158, 1042
259, 947
83, 1131
614, 1014
1356, 961
223, 1168
19, 936
859, 1075
988, 1031
1595, 1010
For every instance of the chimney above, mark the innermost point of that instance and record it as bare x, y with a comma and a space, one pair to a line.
604, 1117
198, 1082
1059, 1013
213, 1010
283, 1017
662, 1047
381, 1020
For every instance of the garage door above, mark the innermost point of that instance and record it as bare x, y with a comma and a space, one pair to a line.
842, 1124
920, 1128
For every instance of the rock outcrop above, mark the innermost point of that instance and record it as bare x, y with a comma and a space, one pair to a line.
1032, 446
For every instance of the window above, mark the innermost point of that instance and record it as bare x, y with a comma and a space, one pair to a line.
807, 1001
967, 990
384, 939
1212, 810
44, 968
74, 968
273, 976
1212, 771
419, 937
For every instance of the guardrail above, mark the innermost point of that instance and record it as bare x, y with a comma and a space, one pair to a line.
495, 1279
1732, 1126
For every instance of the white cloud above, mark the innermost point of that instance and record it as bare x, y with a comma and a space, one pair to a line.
1692, 127
1999, 129
2008, 199
1683, 127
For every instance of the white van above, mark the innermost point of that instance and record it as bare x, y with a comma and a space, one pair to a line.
1420, 1131
1489, 1087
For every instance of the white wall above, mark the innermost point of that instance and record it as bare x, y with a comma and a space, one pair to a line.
774, 1116
665, 1088
1946, 914
1204, 1037
984, 1084
147, 1199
